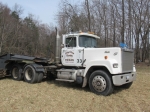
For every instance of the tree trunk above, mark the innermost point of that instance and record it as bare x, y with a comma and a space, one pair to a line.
1, 47
89, 15
123, 17
114, 30
129, 19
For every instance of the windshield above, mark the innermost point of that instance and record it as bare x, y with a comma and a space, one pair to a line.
71, 42
87, 41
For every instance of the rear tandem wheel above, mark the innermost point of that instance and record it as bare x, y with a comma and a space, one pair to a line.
30, 74
16, 72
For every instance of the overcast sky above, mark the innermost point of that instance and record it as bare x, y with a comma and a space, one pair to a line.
45, 10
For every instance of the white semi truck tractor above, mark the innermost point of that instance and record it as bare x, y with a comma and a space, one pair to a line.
77, 59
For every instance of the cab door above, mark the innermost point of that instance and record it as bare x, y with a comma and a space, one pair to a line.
71, 55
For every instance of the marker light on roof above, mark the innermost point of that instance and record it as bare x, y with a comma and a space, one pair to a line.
80, 31
91, 33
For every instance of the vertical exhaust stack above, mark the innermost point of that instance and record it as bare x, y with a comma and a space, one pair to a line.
57, 49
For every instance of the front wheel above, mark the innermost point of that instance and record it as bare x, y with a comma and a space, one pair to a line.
100, 83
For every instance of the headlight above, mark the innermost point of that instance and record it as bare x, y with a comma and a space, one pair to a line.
115, 65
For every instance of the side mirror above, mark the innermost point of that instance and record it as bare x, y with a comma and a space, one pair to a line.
62, 45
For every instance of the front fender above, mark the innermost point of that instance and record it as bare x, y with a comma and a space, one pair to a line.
99, 63
106, 63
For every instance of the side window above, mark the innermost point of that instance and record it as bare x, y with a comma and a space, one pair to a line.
71, 42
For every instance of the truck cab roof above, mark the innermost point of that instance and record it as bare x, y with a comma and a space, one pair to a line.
83, 33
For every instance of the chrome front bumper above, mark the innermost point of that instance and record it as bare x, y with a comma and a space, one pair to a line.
119, 80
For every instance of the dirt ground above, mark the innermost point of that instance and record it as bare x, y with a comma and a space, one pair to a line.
53, 96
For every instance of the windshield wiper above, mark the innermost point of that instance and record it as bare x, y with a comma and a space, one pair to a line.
69, 42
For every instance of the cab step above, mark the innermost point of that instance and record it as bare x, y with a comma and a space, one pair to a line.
65, 80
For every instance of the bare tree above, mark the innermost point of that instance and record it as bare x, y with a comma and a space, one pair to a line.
123, 22
88, 14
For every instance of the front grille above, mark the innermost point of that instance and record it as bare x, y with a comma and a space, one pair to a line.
127, 60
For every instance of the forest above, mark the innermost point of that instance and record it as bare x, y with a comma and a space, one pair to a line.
115, 21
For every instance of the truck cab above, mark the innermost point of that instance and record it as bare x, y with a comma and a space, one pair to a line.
74, 44
101, 68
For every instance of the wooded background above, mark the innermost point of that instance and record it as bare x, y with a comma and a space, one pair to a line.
115, 21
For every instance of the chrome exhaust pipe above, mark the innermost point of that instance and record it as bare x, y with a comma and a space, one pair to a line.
57, 49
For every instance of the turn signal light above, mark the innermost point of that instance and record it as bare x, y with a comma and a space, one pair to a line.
106, 57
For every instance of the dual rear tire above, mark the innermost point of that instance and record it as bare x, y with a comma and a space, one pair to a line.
16, 72
29, 74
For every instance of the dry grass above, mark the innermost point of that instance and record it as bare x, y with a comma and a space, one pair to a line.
50, 96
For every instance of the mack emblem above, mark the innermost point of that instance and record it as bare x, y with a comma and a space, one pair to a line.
107, 51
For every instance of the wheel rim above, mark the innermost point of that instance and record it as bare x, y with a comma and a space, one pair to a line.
99, 83
15, 73
28, 74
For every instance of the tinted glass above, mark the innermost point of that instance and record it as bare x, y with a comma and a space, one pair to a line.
87, 41
71, 42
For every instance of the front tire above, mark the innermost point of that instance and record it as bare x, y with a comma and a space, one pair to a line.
30, 74
100, 83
